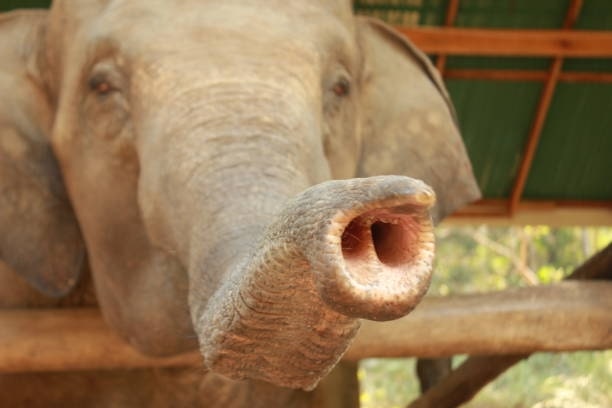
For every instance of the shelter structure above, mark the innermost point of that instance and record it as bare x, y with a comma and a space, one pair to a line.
532, 85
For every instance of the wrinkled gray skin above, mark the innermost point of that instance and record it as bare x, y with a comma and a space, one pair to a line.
188, 137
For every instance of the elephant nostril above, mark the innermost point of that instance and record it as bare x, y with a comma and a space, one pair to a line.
386, 250
393, 240
393, 243
354, 239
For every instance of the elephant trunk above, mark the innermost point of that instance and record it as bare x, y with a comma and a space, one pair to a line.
277, 284
339, 251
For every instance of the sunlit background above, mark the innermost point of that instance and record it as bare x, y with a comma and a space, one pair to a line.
482, 259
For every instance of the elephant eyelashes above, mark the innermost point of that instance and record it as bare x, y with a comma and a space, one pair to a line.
342, 88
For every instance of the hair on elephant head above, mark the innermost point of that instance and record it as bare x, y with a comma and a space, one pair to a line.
196, 142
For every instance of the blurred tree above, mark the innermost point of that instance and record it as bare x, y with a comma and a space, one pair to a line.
483, 258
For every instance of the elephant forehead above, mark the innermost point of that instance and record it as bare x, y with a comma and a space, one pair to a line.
285, 77
158, 21
188, 45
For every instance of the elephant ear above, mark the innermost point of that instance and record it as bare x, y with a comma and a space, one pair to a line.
39, 235
410, 126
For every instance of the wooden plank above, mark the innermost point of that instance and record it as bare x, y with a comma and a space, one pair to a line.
69, 339
496, 74
531, 212
535, 132
562, 317
486, 205
451, 14
497, 42
572, 13
525, 75
597, 77
555, 217
541, 114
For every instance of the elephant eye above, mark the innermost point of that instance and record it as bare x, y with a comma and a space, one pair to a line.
100, 85
342, 87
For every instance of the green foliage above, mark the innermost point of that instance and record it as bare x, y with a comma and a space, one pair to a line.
387, 382
564, 380
548, 274
480, 259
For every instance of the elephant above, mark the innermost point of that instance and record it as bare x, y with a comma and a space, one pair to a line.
244, 177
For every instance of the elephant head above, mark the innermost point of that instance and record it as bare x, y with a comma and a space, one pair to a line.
197, 140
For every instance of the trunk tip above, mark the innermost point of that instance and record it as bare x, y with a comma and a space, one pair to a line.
383, 260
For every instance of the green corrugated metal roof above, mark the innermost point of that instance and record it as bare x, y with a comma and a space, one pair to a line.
574, 157
15, 4
595, 15
490, 125
525, 14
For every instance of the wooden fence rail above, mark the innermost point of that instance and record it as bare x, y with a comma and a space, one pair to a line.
561, 317
566, 316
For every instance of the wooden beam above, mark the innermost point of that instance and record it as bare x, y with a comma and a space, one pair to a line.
568, 316
497, 42
495, 74
531, 212
557, 217
535, 132
562, 317
572, 14
601, 77
541, 114
525, 75
69, 339
451, 14
497, 204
